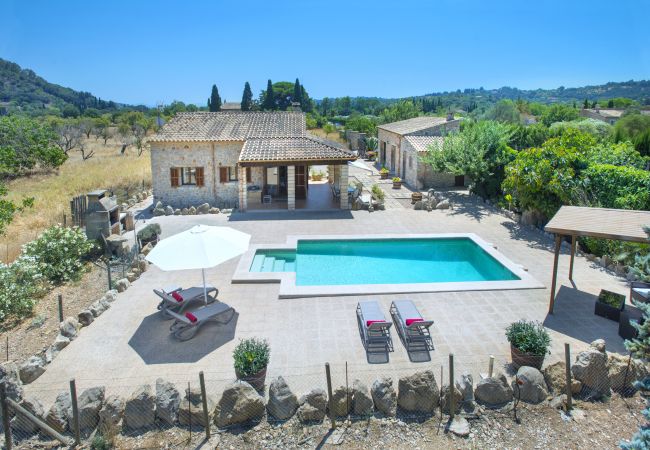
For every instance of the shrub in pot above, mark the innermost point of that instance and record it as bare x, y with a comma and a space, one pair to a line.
529, 343
609, 305
383, 173
397, 182
251, 358
149, 233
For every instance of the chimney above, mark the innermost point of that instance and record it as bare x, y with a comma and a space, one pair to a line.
295, 106
450, 116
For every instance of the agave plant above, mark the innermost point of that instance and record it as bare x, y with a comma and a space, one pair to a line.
371, 143
640, 265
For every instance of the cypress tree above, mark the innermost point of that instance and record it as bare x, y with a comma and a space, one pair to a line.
585, 105
297, 92
306, 104
247, 98
269, 98
215, 101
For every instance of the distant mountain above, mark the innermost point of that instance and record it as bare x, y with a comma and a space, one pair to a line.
22, 90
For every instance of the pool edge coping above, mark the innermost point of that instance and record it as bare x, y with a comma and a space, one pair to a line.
289, 289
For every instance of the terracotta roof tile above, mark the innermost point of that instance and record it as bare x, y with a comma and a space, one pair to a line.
413, 125
421, 143
292, 149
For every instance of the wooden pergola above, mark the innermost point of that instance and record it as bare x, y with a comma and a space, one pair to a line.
616, 224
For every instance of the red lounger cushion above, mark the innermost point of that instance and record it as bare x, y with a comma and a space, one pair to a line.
191, 317
370, 322
178, 297
409, 322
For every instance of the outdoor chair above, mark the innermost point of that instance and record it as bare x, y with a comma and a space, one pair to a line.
373, 326
411, 327
640, 291
178, 299
336, 191
186, 325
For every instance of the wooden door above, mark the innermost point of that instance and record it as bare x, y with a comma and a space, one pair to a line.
301, 182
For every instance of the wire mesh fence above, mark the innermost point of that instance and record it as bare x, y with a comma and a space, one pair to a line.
182, 407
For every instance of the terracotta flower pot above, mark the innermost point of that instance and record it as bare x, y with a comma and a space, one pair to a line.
397, 184
520, 358
256, 380
383, 175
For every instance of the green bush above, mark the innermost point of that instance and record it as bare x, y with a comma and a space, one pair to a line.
618, 186
378, 193
596, 128
251, 356
149, 231
59, 252
529, 337
611, 298
20, 285
621, 154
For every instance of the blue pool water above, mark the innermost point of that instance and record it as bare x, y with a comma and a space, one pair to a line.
383, 261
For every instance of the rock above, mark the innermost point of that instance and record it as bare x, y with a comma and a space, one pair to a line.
239, 403
131, 276
158, 212
31, 369
57, 416
529, 385
445, 400
362, 404
341, 401
167, 400
598, 344
558, 402
143, 265
159, 205
459, 426
622, 377
466, 387
111, 413
122, 284
69, 328
203, 209
192, 211
419, 205
384, 397
10, 376
110, 296
444, 204
191, 408
185, 211
214, 210
139, 410
97, 308
555, 378
313, 406
146, 249
169, 211
85, 318
89, 404
177, 212
418, 392
590, 368
282, 401
23, 425
493, 391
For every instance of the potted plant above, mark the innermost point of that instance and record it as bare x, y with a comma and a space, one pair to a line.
397, 183
370, 155
529, 343
149, 233
316, 175
251, 357
609, 305
383, 173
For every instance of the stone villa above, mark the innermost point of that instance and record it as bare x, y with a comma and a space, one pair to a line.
610, 116
403, 143
245, 158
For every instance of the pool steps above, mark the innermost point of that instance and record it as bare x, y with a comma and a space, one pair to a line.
264, 263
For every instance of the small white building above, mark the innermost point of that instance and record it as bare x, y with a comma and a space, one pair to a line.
402, 145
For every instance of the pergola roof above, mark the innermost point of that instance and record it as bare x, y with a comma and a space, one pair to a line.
292, 149
617, 224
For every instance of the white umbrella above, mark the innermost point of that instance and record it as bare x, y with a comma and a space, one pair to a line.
359, 164
200, 247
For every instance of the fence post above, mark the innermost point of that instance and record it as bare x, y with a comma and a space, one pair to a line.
108, 270
65, 221
329, 395
491, 366
452, 396
567, 362
60, 299
204, 398
5, 415
75, 412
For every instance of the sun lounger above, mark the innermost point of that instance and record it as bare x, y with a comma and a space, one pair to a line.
410, 324
373, 326
186, 325
178, 299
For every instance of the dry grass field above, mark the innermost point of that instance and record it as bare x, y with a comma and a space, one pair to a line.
52, 192
318, 132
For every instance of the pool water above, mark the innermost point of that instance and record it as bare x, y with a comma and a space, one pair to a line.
383, 261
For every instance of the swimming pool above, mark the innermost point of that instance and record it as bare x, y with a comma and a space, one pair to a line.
369, 264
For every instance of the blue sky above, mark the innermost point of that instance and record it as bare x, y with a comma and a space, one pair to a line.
151, 51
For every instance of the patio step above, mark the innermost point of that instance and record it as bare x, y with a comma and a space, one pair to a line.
278, 265
256, 266
267, 266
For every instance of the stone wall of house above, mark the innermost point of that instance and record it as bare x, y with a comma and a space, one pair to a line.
210, 156
392, 143
356, 140
420, 175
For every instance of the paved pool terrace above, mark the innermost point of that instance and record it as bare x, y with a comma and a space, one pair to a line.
130, 344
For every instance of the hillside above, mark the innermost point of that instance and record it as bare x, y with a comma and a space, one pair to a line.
21, 90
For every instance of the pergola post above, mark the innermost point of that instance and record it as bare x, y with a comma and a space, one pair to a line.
242, 188
343, 186
558, 245
291, 187
573, 255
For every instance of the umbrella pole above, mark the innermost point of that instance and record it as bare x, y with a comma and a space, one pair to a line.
205, 289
